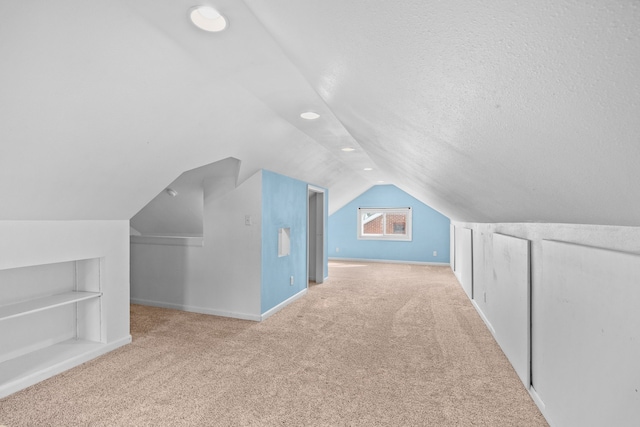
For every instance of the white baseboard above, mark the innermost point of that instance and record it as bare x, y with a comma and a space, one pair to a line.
283, 304
389, 261
536, 398
484, 319
540, 404
195, 309
203, 310
529, 388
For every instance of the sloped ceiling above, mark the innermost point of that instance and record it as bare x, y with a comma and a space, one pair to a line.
489, 111
182, 213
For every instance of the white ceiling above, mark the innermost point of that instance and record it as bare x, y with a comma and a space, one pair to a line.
493, 111
164, 216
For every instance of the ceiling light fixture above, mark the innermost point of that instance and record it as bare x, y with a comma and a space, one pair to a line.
208, 19
171, 192
368, 169
348, 149
310, 115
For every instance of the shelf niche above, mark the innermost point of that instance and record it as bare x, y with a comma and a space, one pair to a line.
50, 314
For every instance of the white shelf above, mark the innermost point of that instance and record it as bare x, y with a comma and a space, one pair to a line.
197, 241
45, 335
33, 367
39, 304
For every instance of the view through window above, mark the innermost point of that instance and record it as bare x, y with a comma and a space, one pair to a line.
384, 223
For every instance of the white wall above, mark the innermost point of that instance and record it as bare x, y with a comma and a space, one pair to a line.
505, 300
463, 254
234, 256
166, 215
183, 214
452, 247
564, 400
223, 276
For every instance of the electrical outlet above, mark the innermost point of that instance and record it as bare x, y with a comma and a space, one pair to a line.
435, 253
291, 281
247, 220
337, 249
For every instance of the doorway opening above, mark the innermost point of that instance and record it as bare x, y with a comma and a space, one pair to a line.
315, 235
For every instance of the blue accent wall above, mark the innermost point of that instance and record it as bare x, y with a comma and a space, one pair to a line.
430, 230
284, 205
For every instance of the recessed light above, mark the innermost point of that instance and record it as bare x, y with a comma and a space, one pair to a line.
348, 149
208, 19
368, 169
310, 115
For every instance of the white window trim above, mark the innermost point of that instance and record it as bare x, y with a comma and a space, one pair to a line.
398, 237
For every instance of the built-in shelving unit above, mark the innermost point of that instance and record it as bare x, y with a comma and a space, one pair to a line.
50, 320
38, 365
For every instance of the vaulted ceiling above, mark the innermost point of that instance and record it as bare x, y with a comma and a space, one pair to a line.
492, 111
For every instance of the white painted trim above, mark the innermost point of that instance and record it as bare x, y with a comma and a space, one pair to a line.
57, 368
530, 389
235, 315
325, 235
315, 189
485, 320
168, 240
406, 211
389, 261
540, 404
283, 304
536, 399
194, 309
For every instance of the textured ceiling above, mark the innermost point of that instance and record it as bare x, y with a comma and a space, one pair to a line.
493, 111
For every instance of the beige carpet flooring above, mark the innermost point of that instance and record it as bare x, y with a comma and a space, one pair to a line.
375, 345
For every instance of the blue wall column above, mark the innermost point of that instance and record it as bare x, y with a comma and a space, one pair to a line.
284, 205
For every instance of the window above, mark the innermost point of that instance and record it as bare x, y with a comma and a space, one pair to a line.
384, 223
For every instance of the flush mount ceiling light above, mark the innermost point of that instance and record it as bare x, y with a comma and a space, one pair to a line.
348, 149
368, 169
171, 192
310, 115
208, 19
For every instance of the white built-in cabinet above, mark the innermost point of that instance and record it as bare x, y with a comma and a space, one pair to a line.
50, 317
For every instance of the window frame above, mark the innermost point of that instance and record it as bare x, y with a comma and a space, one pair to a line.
406, 211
